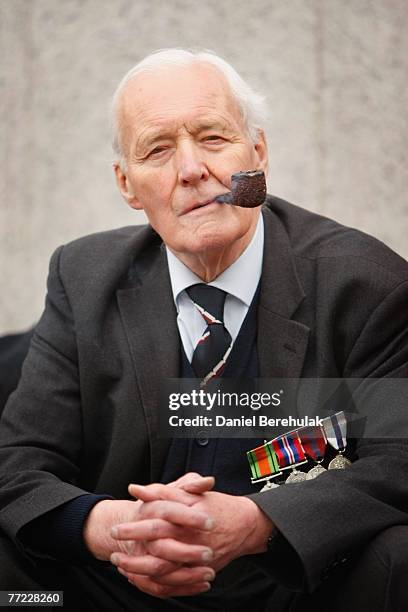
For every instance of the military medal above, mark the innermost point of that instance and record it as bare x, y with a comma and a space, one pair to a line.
339, 463
290, 454
296, 476
314, 443
264, 465
269, 485
315, 472
335, 428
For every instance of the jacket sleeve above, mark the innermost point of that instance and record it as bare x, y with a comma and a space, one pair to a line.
40, 430
325, 520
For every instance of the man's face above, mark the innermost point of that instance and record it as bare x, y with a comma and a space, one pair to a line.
182, 137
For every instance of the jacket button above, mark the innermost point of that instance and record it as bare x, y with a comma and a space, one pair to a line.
201, 440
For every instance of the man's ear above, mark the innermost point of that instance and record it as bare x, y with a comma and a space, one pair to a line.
261, 149
125, 187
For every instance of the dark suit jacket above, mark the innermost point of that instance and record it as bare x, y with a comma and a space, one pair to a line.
333, 303
13, 351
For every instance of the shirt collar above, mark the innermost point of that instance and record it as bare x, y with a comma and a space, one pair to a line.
248, 266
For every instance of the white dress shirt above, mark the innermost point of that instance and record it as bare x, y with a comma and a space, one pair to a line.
239, 281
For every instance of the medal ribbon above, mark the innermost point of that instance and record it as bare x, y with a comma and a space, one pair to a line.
289, 449
263, 461
335, 428
313, 441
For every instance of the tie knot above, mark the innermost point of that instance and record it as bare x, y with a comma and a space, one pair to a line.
211, 299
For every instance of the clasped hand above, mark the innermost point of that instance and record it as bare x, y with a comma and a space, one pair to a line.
171, 540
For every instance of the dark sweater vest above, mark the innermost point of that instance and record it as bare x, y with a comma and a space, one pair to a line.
223, 458
241, 582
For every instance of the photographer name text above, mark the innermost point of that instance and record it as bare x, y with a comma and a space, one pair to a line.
255, 420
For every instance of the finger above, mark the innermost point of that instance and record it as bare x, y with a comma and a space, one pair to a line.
148, 529
177, 513
159, 491
180, 552
147, 565
199, 486
192, 481
186, 478
164, 591
186, 575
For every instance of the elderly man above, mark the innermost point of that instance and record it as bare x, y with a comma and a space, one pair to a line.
300, 295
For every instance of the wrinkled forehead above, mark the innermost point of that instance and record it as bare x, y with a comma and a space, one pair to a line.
175, 92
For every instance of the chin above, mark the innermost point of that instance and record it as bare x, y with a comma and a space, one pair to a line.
214, 241
208, 235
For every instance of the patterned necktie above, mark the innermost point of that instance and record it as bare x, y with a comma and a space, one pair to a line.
214, 346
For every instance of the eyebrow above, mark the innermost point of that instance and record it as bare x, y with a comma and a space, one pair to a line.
151, 137
211, 125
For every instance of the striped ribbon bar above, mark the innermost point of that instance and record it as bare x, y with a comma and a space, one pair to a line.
335, 428
313, 441
263, 461
289, 450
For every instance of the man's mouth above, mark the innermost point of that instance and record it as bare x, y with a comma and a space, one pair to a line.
198, 205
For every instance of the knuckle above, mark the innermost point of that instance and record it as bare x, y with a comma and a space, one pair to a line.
125, 565
156, 565
157, 489
163, 593
149, 490
150, 509
149, 548
192, 475
160, 566
143, 585
154, 528
138, 582
158, 590
163, 512
155, 506
153, 548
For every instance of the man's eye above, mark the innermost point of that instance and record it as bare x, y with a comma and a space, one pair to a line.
157, 150
214, 138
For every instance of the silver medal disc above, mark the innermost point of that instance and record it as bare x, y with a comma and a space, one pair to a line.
269, 485
339, 463
296, 476
315, 472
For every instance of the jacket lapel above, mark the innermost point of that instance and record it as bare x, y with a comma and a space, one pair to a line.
282, 341
149, 317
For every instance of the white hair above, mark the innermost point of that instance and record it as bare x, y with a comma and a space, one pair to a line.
250, 103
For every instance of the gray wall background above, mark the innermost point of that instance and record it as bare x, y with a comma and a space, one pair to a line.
334, 72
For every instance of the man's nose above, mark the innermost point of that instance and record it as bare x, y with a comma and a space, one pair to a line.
191, 166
